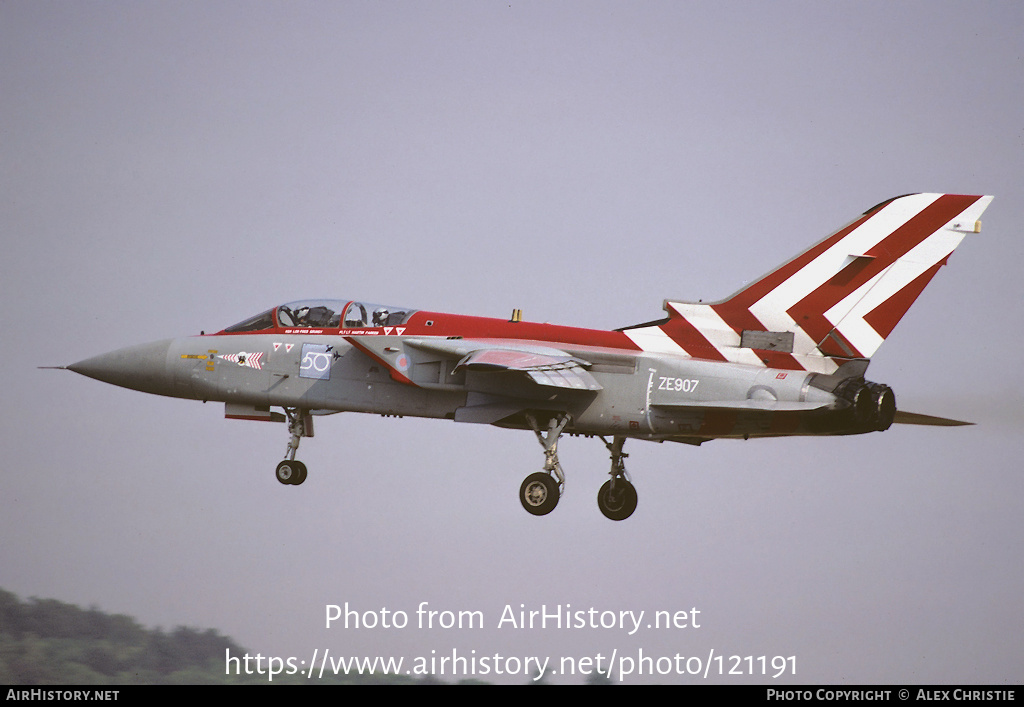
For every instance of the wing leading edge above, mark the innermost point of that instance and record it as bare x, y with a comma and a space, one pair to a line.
508, 379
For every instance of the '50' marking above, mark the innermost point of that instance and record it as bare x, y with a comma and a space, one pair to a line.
316, 361
685, 385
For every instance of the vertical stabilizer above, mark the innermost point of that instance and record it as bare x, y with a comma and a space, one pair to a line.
836, 301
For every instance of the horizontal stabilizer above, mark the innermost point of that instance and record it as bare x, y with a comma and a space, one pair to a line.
913, 418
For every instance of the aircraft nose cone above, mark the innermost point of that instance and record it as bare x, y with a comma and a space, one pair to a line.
142, 367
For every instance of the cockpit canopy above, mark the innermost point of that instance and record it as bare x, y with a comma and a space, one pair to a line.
324, 314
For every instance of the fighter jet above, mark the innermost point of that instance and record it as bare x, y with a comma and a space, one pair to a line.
785, 355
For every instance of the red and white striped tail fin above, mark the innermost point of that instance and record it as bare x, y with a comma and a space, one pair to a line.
834, 302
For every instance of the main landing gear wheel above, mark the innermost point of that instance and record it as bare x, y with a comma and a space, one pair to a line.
291, 473
617, 498
618, 503
539, 493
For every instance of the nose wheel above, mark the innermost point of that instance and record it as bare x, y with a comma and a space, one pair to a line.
291, 472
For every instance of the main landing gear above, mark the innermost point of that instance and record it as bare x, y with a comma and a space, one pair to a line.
540, 492
617, 497
300, 424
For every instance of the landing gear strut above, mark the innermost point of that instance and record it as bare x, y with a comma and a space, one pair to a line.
617, 497
300, 424
540, 492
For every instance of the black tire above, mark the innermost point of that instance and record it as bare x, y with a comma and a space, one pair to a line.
288, 472
621, 504
539, 493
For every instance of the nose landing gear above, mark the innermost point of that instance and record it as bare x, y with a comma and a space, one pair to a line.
300, 424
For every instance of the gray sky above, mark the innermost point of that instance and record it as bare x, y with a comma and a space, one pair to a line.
172, 167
